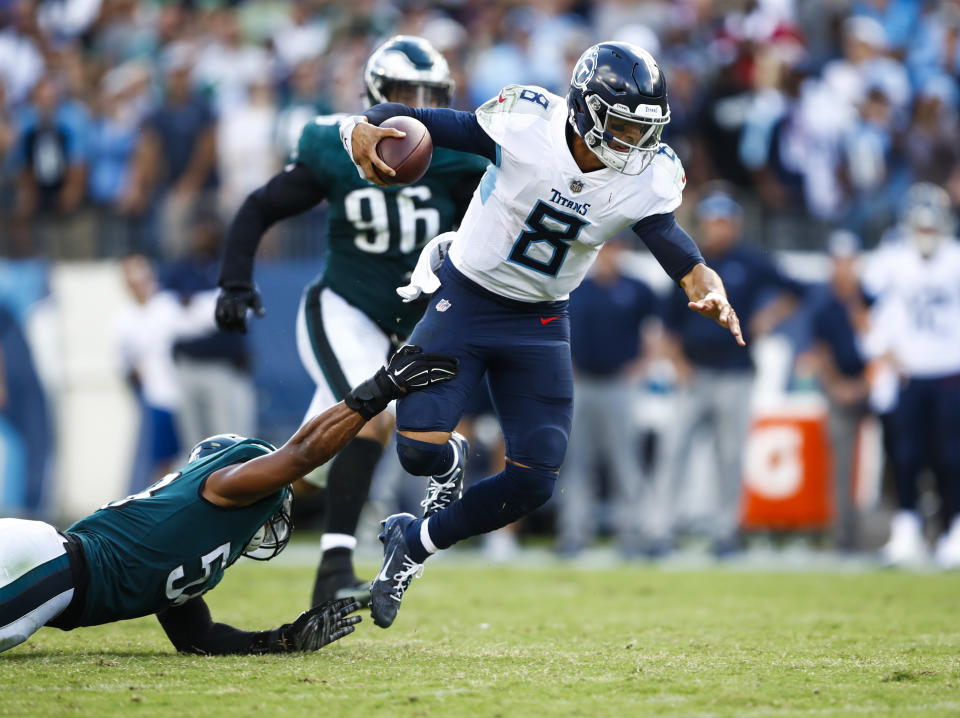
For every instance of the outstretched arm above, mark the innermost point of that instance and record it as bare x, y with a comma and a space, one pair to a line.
672, 247
680, 258
191, 629
288, 193
453, 129
317, 441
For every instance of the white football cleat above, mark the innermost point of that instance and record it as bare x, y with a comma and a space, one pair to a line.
906, 546
947, 554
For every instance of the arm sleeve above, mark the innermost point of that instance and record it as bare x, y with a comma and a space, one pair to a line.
453, 129
191, 630
285, 195
669, 244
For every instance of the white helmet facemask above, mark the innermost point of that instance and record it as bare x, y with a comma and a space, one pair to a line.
271, 538
629, 140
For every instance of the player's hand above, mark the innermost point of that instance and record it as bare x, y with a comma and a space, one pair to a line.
411, 370
364, 142
321, 625
408, 370
232, 304
716, 306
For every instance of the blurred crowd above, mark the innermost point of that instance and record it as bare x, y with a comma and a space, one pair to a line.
120, 119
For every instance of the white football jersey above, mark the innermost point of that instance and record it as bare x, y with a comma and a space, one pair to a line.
917, 314
536, 220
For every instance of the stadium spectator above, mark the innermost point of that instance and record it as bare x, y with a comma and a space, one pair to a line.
837, 324
934, 49
25, 431
303, 38
303, 102
113, 140
873, 168
175, 163
246, 156
917, 329
213, 369
146, 358
146, 332
22, 48
932, 142
226, 66
607, 312
50, 160
716, 378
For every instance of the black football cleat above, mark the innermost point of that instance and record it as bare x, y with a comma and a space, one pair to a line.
445, 489
396, 573
332, 584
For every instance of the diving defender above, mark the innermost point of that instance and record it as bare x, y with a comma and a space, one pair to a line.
567, 175
160, 550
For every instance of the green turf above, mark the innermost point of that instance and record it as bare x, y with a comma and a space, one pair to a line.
480, 641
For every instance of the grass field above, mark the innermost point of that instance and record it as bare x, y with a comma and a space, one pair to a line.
475, 640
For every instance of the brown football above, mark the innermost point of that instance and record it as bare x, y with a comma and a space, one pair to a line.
408, 156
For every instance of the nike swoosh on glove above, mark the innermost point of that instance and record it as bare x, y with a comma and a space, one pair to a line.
408, 370
411, 369
424, 279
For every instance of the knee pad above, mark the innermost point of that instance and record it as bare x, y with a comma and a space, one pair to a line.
421, 458
528, 488
544, 447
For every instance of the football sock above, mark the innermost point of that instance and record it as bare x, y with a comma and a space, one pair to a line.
348, 484
421, 458
488, 505
418, 540
337, 559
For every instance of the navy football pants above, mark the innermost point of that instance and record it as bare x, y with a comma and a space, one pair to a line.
525, 350
926, 433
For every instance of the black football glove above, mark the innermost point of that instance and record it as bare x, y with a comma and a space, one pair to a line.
411, 370
321, 625
408, 370
232, 304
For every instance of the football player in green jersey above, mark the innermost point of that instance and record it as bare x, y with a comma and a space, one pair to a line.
351, 316
160, 550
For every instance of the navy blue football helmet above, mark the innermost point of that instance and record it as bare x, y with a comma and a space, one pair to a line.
409, 70
618, 105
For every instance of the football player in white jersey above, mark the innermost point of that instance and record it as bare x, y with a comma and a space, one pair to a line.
916, 327
567, 175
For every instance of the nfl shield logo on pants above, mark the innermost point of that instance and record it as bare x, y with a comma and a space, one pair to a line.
443, 305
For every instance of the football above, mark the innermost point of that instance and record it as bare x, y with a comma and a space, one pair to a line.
408, 156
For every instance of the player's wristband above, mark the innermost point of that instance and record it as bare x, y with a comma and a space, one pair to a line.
346, 137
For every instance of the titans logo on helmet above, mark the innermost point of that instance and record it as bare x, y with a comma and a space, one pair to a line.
586, 66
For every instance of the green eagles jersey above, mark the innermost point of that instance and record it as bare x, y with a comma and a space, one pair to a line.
376, 233
167, 544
